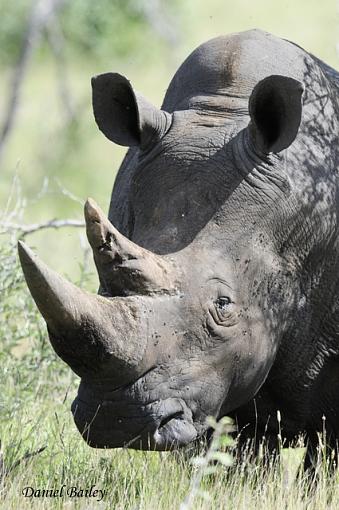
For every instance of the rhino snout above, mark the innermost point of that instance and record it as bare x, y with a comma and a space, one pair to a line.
161, 425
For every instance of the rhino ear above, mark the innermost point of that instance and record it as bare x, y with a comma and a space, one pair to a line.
123, 115
275, 108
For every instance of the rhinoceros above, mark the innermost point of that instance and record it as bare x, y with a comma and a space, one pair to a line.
219, 259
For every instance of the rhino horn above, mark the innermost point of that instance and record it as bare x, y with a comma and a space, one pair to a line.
49, 290
87, 331
124, 268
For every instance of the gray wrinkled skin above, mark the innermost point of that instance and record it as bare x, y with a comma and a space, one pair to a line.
231, 190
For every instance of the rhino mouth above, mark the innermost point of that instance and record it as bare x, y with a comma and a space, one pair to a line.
174, 431
160, 425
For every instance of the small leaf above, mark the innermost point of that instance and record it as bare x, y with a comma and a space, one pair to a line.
210, 470
211, 422
205, 495
225, 441
224, 458
198, 461
226, 420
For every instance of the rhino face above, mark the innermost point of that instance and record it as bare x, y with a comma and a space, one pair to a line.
208, 346
194, 298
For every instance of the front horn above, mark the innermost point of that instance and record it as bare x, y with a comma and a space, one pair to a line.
89, 332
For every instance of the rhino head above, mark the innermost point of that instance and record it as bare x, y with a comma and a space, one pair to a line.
194, 295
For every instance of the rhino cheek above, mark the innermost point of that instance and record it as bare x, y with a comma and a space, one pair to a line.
252, 364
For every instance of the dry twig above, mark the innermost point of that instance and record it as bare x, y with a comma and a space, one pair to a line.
34, 227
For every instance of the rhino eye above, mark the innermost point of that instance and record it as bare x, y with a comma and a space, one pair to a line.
222, 303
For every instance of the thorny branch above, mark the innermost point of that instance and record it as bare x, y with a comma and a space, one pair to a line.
34, 227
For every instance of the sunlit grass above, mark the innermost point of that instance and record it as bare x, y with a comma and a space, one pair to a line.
144, 480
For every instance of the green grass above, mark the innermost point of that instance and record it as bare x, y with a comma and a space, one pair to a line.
36, 390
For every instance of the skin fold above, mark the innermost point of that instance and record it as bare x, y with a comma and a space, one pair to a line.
218, 261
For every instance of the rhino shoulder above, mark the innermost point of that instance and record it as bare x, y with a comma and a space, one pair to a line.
331, 74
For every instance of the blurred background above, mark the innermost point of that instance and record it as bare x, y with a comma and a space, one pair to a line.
52, 155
